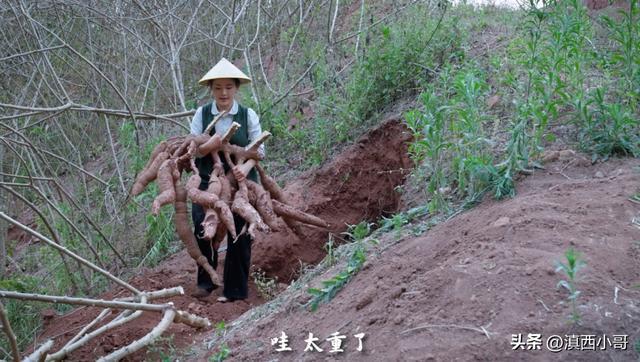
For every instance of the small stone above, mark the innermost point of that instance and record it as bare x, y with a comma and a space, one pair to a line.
529, 272
398, 319
398, 292
365, 301
502, 221
489, 265
599, 174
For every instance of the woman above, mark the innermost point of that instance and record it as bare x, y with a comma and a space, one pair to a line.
223, 80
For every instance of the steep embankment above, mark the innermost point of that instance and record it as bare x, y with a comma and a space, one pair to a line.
461, 290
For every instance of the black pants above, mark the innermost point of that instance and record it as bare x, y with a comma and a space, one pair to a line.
236, 262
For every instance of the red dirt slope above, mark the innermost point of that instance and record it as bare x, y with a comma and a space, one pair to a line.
489, 269
359, 184
356, 185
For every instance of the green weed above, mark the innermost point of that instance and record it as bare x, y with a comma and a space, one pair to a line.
332, 286
573, 265
267, 287
358, 231
223, 350
24, 317
163, 349
330, 248
160, 233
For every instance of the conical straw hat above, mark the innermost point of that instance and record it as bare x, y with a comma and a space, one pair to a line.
224, 69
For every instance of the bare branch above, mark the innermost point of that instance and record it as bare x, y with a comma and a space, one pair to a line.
6, 327
31, 52
164, 324
70, 253
39, 354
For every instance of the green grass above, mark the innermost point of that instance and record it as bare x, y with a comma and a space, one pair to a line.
24, 317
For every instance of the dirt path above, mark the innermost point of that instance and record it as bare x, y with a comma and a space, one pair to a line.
460, 291
358, 184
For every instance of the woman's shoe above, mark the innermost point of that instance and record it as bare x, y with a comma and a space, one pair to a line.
201, 293
223, 299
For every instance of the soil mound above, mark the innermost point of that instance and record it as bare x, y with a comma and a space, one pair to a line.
464, 288
358, 184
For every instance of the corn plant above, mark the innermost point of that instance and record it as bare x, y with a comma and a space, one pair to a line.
626, 34
610, 128
573, 265
472, 162
430, 145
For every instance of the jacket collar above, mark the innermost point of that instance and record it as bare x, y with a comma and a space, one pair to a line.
234, 108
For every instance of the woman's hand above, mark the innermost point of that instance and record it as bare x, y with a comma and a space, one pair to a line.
238, 174
254, 154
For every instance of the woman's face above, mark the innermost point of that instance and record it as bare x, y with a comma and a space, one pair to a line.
223, 91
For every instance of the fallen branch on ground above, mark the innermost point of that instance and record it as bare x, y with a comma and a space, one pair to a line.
138, 308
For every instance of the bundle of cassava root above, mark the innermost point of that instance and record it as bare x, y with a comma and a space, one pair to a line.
263, 206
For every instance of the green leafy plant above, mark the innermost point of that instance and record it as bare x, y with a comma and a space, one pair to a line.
625, 31
609, 128
395, 222
163, 349
358, 231
330, 248
332, 286
267, 287
574, 263
223, 350
450, 146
